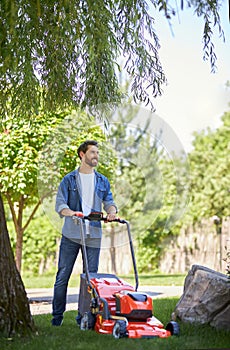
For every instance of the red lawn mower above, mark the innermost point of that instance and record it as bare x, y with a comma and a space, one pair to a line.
109, 305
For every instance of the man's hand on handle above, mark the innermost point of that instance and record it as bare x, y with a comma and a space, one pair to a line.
111, 216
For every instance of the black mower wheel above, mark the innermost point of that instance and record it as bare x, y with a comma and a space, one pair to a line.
88, 321
91, 320
173, 328
119, 329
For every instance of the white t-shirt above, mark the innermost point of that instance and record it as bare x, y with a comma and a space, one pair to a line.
88, 187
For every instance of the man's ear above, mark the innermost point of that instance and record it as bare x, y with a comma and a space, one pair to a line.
81, 154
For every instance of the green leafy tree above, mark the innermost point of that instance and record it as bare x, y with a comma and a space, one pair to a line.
57, 52
38, 151
167, 221
20, 142
39, 243
210, 163
150, 186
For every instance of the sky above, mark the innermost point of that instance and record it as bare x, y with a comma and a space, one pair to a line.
194, 98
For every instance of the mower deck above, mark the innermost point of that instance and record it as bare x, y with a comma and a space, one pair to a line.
121, 311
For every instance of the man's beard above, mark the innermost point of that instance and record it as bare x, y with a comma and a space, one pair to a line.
93, 162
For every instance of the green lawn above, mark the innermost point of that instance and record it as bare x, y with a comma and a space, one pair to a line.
70, 337
158, 279
47, 281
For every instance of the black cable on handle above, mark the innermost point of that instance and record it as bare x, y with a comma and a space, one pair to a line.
132, 254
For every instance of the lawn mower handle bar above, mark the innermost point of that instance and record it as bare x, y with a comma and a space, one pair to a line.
99, 217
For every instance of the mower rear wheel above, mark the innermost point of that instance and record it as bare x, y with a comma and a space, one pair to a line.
88, 321
119, 329
173, 328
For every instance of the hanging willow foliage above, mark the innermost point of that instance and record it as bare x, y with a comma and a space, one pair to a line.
54, 53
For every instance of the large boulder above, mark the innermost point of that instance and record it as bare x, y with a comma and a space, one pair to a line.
205, 299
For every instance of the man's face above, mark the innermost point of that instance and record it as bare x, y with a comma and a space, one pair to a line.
91, 156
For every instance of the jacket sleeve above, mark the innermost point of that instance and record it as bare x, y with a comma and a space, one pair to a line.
108, 198
62, 197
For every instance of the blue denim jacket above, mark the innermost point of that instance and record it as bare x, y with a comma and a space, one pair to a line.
69, 196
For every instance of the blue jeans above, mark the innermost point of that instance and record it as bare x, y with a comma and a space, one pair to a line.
67, 256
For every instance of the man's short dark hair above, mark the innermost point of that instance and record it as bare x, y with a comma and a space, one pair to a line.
84, 146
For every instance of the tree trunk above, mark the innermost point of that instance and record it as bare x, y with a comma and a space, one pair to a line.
19, 228
18, 251
19, 232
15, 316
